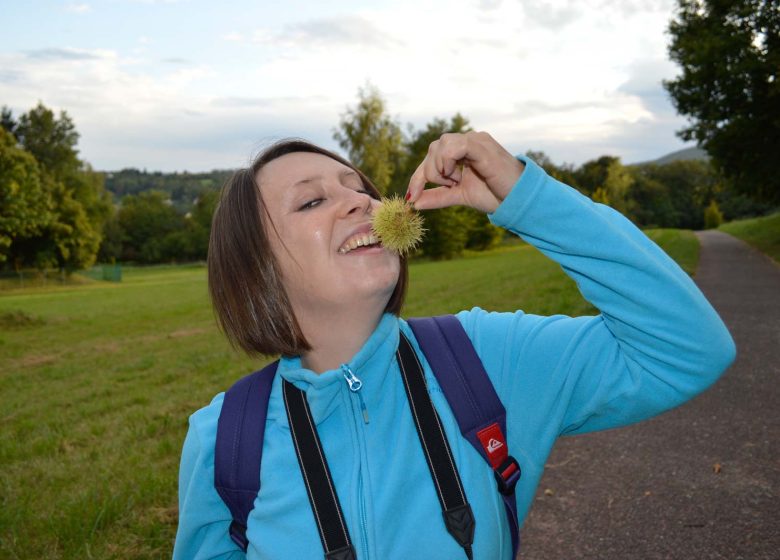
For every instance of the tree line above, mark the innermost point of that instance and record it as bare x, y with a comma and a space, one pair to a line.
53, 206
57, 212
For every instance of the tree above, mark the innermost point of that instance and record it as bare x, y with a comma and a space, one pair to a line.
593, 174
729, 52
7, 121
52, 141
198, 224
685, 188
651, 204
150, 228
712, 215
617, 184
25, 207
373, 141
79, 204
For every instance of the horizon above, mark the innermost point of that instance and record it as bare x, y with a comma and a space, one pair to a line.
230, 169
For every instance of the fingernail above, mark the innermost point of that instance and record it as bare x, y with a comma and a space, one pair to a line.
407, 196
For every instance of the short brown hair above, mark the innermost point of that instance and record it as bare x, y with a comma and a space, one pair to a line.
244, 278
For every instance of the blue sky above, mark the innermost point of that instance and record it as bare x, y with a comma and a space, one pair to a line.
196, 85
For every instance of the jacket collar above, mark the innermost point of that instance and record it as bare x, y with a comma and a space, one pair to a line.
325, 391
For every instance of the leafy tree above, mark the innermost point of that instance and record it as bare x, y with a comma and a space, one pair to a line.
372, 140
617, 184
198, 224
148, 223
78, 202
651, 205
25, 206
7, 121
729, 52
72, 238
111, 246
51, 140
592, 174
601, 196
687, 187
712, 215
736, 205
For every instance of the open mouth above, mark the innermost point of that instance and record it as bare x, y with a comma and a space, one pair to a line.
358, 242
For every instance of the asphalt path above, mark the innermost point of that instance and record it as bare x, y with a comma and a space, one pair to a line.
699, 482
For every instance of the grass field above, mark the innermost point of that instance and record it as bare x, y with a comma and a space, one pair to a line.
762, 233
98, 379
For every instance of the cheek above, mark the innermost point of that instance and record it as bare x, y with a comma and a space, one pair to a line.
302, 256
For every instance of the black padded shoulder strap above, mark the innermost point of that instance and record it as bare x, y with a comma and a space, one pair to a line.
239, 447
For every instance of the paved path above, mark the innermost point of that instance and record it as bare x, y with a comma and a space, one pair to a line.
651, 491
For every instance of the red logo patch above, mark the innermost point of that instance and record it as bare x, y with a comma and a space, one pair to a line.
494, 443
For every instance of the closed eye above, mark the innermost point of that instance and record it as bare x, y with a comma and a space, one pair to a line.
311, 204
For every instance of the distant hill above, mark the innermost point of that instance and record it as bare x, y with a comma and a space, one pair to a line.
687, 154
182, 188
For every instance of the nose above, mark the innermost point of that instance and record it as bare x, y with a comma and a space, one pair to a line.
356, 203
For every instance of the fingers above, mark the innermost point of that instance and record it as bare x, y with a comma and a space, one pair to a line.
427, 172
441, 166
438, 197
472, 163
450, 152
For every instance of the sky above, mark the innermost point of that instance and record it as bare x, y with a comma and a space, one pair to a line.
175, 85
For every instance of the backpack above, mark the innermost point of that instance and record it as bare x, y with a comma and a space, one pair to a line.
479, 412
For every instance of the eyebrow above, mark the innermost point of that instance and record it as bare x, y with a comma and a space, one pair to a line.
343, 174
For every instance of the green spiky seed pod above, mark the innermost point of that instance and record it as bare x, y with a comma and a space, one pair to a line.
398, 226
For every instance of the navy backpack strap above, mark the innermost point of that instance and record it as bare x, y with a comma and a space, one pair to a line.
239, 446
480, 414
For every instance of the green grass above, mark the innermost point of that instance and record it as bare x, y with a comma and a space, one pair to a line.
681, 244
98, 380
762, 233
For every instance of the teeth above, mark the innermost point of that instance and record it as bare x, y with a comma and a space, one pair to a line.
359, 240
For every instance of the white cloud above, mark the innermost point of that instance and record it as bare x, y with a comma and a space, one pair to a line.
573, 90
233, 36
78, 8
353, 31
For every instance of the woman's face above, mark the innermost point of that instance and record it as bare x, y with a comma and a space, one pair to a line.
321, 220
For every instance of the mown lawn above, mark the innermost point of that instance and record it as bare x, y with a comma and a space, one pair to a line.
97, 381
762, 233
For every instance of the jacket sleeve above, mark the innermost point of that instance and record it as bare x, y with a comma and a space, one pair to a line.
204, 519
656, 343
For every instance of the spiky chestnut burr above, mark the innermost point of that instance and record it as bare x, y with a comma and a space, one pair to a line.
398, 226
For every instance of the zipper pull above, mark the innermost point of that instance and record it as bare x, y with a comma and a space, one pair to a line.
355, 385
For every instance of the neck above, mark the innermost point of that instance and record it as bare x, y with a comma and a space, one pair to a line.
336, 336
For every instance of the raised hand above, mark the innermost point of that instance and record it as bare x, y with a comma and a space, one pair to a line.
472, 169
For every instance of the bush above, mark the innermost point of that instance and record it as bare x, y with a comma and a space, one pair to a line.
447, 230
713, 217
482, 234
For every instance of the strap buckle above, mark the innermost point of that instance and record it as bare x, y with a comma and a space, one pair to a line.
507, 474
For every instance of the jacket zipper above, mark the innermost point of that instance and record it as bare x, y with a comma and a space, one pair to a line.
355, 384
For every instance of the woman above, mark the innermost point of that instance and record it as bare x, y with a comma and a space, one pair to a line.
289, 274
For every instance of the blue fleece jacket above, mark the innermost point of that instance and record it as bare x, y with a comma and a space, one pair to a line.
656, 343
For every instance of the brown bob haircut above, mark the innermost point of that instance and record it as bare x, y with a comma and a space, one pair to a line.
245, 281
